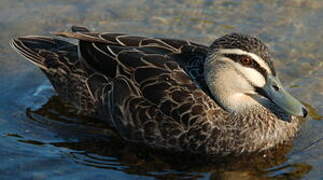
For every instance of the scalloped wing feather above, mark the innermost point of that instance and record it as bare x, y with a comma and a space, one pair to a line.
145, 87
152, 98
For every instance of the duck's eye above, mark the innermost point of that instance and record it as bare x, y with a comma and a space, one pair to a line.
246, 61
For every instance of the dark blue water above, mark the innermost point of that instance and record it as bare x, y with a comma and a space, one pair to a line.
41, 137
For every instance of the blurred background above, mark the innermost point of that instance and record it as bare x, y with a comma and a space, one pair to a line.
42, 138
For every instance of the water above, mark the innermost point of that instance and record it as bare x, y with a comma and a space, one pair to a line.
42, 138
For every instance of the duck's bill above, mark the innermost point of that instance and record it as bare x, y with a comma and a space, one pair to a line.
274, 91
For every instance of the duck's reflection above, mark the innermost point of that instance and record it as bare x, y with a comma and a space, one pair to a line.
97, 145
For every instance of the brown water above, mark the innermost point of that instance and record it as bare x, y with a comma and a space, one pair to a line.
40, 138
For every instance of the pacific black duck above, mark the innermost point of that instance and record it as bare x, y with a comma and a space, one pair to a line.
172, 94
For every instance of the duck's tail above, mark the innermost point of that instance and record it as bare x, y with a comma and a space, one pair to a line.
41, 50
59, 60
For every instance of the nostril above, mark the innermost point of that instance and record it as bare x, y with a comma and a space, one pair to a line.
276, 88
304, 112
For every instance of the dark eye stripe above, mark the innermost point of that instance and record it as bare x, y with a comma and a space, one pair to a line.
234, 57
254, 64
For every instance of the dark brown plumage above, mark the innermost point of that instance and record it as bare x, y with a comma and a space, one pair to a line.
150, 90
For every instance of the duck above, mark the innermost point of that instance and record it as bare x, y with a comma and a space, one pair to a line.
171, 94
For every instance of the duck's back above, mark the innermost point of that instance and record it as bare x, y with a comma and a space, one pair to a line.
150, 90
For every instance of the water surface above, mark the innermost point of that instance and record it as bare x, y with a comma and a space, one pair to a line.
43, 138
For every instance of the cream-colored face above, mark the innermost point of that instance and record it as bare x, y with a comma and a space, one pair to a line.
235, 77
250, 73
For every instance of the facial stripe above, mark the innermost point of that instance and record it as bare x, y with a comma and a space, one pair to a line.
262, 70
254, 64
262, 64
251, 75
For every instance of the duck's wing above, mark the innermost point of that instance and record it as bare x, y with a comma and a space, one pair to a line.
149, 97
189, 56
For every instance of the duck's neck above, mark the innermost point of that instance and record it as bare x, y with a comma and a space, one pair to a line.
264, 129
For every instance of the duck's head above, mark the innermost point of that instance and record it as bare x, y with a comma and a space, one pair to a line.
240, 74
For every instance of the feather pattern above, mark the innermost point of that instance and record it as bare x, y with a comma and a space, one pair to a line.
151, 90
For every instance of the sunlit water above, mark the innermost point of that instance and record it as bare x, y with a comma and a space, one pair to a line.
41, 138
